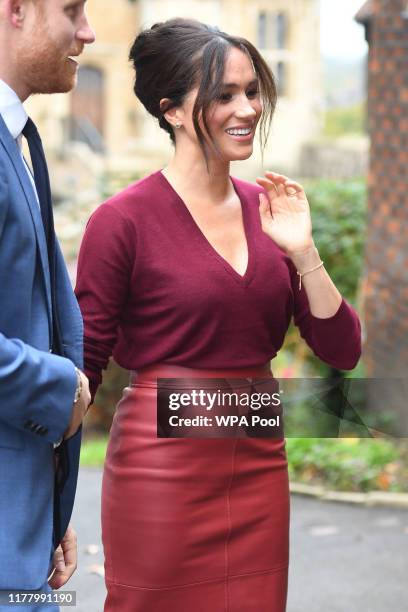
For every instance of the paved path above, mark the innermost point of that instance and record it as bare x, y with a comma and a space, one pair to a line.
343, 558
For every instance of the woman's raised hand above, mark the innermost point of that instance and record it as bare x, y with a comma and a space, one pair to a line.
285, 213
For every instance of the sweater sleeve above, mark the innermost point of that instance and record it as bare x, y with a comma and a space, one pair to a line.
335, 340
104, 270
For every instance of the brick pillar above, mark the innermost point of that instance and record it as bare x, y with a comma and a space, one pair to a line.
386, 279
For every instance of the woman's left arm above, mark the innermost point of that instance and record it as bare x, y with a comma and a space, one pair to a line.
328, 324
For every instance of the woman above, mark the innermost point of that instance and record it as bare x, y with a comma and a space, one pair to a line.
189, 273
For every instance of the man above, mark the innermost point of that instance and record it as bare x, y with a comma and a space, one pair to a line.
43, 393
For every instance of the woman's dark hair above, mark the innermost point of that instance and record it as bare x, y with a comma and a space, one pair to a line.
172, 57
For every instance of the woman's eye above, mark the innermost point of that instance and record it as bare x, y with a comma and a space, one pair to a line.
252, 93
225, 97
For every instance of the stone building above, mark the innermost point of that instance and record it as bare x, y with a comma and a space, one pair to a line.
103, 113
386, 282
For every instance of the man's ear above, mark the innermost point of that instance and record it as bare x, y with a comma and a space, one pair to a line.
173, 116
16, 11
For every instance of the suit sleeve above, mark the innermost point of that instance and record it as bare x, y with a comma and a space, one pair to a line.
104, 270
36, 388
335, 340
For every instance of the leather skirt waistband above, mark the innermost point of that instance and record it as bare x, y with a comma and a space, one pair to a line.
175, 375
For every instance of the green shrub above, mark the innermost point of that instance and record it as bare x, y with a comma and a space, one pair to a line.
349, 120
339, 228
345, 464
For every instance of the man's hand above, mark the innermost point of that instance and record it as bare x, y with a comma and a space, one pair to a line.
64, 560
79, 408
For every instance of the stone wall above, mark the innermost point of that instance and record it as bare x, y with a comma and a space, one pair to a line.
344, 158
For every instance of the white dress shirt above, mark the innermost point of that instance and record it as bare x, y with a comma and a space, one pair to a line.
15, 118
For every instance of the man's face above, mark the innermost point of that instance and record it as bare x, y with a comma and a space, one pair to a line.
54, 32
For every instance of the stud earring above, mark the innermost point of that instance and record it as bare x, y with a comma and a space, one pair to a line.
178, 125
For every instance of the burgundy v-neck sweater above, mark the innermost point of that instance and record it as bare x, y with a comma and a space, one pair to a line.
152, 289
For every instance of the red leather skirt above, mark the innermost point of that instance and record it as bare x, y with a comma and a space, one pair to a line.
192, 524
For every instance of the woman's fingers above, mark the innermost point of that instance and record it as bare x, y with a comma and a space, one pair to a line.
278, 178
293, 188
264, 205
265, 211
282, 179
279, 186
273, 180
293, 184
268, 185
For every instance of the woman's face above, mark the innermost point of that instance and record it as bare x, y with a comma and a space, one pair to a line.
233, 118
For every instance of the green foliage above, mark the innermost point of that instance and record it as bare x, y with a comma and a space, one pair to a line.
349, 120
93, 452
112, 183
99, 418
339, 224
345, 464
342, 464
115, 379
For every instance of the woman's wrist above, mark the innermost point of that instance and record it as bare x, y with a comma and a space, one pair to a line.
305, 259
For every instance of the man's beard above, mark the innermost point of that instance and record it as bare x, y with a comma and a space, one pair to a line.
46, 70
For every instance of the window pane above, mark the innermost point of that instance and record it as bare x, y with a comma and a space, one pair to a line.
281, 31
281, 76
262, 30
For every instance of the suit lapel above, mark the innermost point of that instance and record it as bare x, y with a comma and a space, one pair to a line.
13, 153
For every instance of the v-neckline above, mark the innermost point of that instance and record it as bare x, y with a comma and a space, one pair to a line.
240, 278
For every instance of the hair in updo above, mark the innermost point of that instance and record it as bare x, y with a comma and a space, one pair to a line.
172, 57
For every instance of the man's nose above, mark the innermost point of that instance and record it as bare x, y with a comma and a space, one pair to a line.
86, 34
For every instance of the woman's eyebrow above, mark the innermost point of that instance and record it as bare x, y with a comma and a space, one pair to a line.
235, 85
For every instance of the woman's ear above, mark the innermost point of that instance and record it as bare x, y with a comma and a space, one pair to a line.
172, 114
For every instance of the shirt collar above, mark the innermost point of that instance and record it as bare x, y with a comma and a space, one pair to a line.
12, 110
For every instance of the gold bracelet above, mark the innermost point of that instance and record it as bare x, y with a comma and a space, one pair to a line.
301, 274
